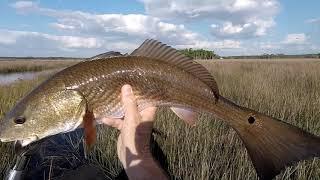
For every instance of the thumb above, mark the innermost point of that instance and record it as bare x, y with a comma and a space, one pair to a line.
129, 102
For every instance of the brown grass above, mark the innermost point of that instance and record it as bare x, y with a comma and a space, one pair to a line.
11, 66
285, 89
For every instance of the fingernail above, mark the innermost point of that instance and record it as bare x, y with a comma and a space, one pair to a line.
127, 90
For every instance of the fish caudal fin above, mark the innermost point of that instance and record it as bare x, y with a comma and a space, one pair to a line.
89, 128
272, 145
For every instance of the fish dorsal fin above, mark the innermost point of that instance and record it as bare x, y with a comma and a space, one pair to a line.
156, 50
106, 55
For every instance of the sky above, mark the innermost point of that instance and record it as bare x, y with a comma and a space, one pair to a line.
76, 28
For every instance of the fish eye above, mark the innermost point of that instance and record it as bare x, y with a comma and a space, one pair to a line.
251, 120
20, 120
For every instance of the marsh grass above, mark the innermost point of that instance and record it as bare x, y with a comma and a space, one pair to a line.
286, 89
14, 66
8, 97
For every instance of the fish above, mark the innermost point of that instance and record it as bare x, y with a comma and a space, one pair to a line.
85, 93
107, 55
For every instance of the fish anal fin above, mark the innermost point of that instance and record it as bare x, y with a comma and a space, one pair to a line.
189, 116
89, 128
158, 51
272, 145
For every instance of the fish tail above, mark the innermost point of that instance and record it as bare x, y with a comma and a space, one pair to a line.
277, 145
272, 144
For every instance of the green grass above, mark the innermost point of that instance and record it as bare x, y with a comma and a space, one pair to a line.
286, 89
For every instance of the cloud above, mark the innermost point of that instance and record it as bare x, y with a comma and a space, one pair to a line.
235, 19
225, 44
60, 26
297, 43
295, 39
25, 43
12, 37
25, 6
116, 31
269, 45
313, 20
211, 9
232, 25
230, 18
239, 31
124, 25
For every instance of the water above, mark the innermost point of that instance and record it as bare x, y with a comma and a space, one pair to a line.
6, 79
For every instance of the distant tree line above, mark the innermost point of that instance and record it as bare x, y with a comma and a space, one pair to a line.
199, 53
272, 56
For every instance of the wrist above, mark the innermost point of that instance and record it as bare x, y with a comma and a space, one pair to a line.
145, 168
131, 157
139, 160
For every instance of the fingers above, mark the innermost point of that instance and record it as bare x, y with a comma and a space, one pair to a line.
129, 102
148, 114
116, 123
132, 115
131, 107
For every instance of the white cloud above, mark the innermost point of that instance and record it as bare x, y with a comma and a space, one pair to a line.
75, 42
313, 20
122, 25
294, 39
125, 25
26, 43
230, 22
269, 46
25, 6
121, 30
62, 26
231, 18
212, 9
225, 44
254, 28
7, 38
297, 43
63, 41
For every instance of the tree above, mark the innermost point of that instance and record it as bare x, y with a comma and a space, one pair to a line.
199, 53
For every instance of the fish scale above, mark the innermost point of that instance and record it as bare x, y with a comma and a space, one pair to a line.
151, 75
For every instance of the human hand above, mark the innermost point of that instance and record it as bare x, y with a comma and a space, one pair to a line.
133, 146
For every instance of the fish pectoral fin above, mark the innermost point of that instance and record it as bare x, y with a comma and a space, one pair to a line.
88, 121
188, 115
272, 145
89, 126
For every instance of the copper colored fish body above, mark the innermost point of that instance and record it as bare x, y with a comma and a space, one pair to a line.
160, 76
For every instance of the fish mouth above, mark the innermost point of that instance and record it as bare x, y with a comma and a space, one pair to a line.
7, 139
26, 141
23, 141
25, 146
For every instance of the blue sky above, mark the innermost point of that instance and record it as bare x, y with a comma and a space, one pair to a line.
229, 27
